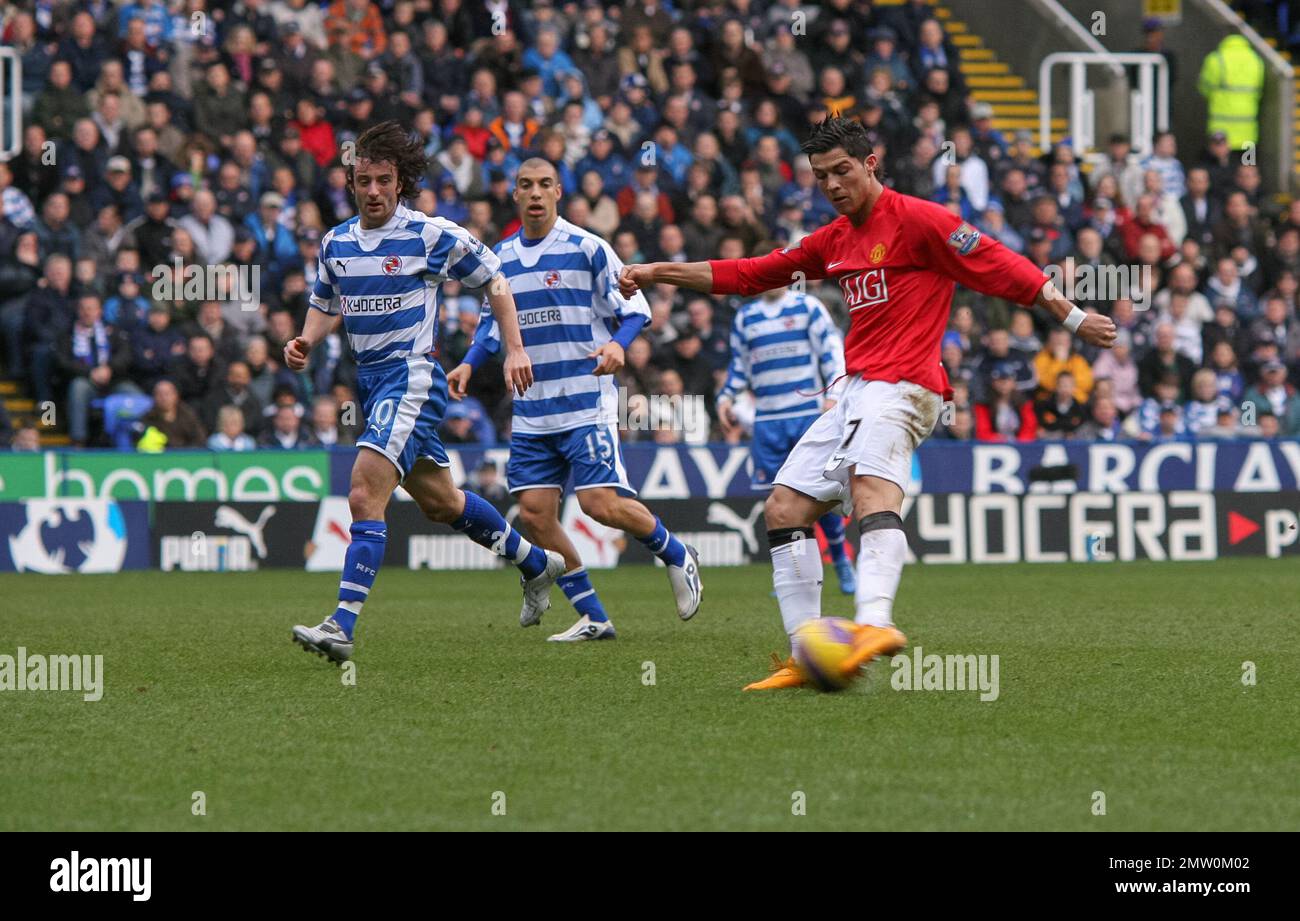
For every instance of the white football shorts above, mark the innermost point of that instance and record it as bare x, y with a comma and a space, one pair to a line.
872, 431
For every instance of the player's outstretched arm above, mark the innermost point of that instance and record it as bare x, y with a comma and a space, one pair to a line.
518, 366
315, 328
1092, 328
698, 276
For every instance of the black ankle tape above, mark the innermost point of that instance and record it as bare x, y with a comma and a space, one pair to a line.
880, 521
778, 537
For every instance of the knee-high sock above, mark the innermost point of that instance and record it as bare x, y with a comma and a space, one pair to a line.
796, 575
360, 566
881, 552
833, 527
577, 587
483, 524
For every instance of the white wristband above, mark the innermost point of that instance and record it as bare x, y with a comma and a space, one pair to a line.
1072, 321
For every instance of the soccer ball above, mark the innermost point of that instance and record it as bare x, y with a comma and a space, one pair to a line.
820, 647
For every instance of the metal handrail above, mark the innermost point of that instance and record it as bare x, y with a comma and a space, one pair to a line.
10, 150
1081, 98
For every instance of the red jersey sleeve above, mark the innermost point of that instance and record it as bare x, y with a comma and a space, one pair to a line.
775, 270
942, 242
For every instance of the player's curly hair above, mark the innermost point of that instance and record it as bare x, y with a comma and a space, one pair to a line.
391, 141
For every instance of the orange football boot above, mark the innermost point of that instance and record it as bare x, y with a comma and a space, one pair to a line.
785, 674
870, 642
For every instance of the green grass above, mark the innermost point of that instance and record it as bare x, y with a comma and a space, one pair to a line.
1123, 678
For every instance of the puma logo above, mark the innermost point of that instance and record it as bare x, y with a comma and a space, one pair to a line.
231, 520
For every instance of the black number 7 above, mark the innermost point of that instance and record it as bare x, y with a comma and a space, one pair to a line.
853, 430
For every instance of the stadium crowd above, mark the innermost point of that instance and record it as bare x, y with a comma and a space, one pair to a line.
161, 136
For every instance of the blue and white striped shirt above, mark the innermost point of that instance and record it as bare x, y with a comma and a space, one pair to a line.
386, 281
565, 288
785, 350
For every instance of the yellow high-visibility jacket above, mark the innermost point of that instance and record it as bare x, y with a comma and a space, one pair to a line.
1232, 82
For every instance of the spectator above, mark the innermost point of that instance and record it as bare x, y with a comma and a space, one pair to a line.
1164, 360
1232, 82
234, 391
230, 435
213, 235
1202, 410
1146, 424
1103, 423
1060, 415
1117, 366
93, 359
1005, 415
1057, 357
196, 372
285, 430
1272, 392
170, 424
325, 428
154, 347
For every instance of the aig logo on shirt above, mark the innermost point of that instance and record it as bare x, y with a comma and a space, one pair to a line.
864, 289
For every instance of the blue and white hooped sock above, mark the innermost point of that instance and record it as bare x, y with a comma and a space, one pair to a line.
360, 566
833, 527
577, 587
483, 524
664, 545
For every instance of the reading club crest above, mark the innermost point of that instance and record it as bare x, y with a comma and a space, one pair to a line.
392, 265
551, 279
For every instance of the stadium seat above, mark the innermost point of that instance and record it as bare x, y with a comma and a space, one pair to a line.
120, 411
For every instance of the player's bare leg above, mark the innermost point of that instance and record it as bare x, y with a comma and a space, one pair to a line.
604, 504
878, 504
441, 500
796, 571
539, 511
373, 480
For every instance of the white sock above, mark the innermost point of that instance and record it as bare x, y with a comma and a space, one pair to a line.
880, 565
797, 578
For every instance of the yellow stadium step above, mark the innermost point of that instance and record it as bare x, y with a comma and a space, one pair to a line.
993, 68
966, 41
999, 96
1006, 83
956, 27
20, 405
9, 388
940, 13
55, 440
977, 54
1018, 111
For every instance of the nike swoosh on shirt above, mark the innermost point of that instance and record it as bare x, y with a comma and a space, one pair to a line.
831, 265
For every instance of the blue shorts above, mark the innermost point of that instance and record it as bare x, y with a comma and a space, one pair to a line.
774, 439
591, 453
404, 401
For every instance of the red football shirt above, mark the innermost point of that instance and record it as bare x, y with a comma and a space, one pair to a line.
896, 271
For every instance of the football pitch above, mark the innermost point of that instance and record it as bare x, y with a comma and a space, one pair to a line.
1124, 680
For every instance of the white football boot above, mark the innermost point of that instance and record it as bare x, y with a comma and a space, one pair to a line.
537, 590
326, 639
585, 629
687, 588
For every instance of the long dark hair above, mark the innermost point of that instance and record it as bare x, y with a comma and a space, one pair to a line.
391, 141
